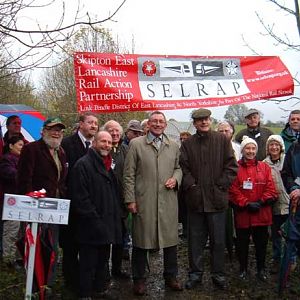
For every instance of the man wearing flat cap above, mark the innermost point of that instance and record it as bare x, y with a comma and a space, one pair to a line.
134, 129
255, 131
209, 166
42, 165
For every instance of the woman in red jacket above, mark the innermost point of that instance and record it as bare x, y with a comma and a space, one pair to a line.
251, 194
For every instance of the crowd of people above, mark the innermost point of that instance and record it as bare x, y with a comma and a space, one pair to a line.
130, 188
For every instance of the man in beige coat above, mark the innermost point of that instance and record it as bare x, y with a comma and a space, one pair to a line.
151, 179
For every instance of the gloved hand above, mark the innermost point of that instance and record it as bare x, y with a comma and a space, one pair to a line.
254, 206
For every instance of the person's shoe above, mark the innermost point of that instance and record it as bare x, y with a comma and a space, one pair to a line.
262, 276
173, 284
219, 282
125, 254
193, 282
275, 267
139, 287
120, 275
243, 275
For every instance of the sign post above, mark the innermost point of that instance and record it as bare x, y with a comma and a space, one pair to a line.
27, 209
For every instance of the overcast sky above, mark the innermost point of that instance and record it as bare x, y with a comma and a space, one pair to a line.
193, 27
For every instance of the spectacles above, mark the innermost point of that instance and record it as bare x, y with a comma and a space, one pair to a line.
156, 122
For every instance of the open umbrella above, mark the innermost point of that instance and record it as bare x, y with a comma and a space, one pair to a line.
32, 120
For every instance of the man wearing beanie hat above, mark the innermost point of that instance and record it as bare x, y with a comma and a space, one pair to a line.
209, 166
255, 131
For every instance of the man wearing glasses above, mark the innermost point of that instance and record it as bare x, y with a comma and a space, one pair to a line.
42, 165
151, 179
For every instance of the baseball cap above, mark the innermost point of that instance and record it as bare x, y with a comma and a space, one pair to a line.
53, 122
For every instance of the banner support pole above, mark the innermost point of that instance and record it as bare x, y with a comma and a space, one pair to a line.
31, 259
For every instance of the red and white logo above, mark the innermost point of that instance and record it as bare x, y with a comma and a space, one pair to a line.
11, 201
149, 68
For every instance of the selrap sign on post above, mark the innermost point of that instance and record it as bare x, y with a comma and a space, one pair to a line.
108, 82
27, 209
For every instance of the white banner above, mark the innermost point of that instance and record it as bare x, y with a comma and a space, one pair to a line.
43, 210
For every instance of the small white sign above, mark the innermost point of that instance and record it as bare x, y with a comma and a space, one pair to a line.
43, 210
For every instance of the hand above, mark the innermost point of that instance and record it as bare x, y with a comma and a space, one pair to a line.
295, 195
254, 206
132, 207
171, 183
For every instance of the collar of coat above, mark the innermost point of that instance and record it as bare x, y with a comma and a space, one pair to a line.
164, 139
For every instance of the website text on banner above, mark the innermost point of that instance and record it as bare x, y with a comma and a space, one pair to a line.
107, 82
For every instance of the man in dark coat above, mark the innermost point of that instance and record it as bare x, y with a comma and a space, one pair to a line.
256, 132
42, 165
75, 146
97, 205
118, 153
209, 166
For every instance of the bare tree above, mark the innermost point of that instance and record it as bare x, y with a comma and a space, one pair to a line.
272, 30
37, 45
58, 94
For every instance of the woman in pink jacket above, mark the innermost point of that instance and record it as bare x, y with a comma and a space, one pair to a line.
251, 194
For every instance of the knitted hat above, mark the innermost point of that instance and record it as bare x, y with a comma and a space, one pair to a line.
247, 140
277, 138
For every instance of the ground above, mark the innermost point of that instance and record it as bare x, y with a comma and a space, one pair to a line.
12, 283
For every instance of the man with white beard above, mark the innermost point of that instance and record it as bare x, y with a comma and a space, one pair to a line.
42, 165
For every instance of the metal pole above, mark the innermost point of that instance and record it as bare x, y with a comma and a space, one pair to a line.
30, 266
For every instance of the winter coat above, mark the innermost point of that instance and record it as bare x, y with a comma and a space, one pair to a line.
37, 170
281, 206
291, 168
260, 135
263, 189
209, 167
146, 170
96, 201
288, 137
8, 175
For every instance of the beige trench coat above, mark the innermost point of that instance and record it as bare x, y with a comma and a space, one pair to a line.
145, 172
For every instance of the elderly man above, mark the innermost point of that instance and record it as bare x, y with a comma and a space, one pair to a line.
227, 128
42, 165
118, 153
209, 166
151, 179
255, 131
75, 146
134, 129
96, 201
